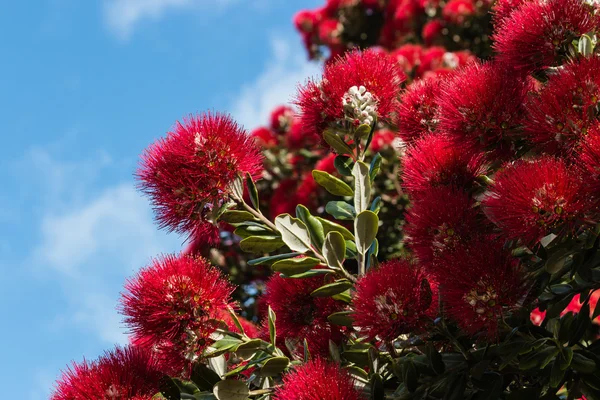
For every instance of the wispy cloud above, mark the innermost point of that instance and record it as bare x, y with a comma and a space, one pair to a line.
276, 85
123, 15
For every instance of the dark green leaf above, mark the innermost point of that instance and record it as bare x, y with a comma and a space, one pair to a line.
274, 366
332, 288
366, 226
253, 230
435, 360
230, 389
410, 375
340, 210
334, 250
351, 251
556, 374
294, 266
336, 142
377, 392
272, 329
333, 185
261, 244
271, 259
375, 166
170, 390
342, 318
315, 229
204, 377
329, 226
376, 205
310, 274
235, 216
344, 165
252, 191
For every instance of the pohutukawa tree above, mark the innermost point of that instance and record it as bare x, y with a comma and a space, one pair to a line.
421, 223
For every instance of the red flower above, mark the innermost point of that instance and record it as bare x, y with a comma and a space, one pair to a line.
282, 118
408, 57
563, 110
481, 108
289, 194
301, 316
176, 299
457, 11
530, 200
417, 112
432, 161
190, 171
441, 221
320, 380
355, 89
589, 159
297, 138
330, 31
481, 283
264, 137
432, 31
306, 20
396, 298
504, 8
538, 33
381, 139
123, 373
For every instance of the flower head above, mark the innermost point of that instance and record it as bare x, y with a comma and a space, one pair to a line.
417, 112
433, 161
531, 199
589, 159
301, 316
282, 118
123, 373
481, 107
190, 171
394, 299
481, 283
264, 137
537, 34
458, 11
441, 221
355, 89
318, 379
560, 114
176, 299
504, 8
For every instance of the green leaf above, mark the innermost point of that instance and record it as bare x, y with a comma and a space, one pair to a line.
248, 349
365, 226
271, 259
274, 366
310, 274
556, 374
334, 352
272, 328
341, 318
293, 232
333, 185
306, 351
435, 360
375, 167
343, 164
329, 226
336, 142
340, 210
565, 358
253, 230
237, 187
351, 251
230, 389
252, 191
362, 131
410, 375
294, 266
332, 288
334, 249
315, 229
376, 205
377, 392
261, 244
585, 46
169, 389
362, 186
236, 216
557, 261
204, 377
236, 320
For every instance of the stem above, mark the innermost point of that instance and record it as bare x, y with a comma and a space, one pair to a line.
362, 267
257, 214
260, 391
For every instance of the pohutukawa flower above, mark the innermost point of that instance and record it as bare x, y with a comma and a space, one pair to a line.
354, 90
504, 8
589, 159
560, 114
264, 137
301, 316
433, 161
318, 379
282, 118
123, 373
531, 199
396, 298
178, 299
190, 172
417, 111
383, 139
481, 107
481, 284
441, 221
458, 11
538, 33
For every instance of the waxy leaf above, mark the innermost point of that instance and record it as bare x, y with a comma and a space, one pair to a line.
230, 389
294, 266
332, 288
293, 232
261, 244
336, 142
334, 249
333, 185
362, 186
366, 226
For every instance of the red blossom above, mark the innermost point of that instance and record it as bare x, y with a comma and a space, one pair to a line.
408, 57
367, 77
531, 199
418, 108
537, 34
176, 299
589, 159
318, 380
457, 11
442, 221
123, 373
396, 298
264, 137
562, 111
190, 171
306, 20
381, 139
301, 316
480, 284
282, 118
432, 31
481, 107
504, 8
330, 31
433, 161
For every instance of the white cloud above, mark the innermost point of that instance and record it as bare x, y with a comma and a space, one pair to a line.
122, 15
276, 85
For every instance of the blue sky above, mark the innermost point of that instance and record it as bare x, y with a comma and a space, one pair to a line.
85, 86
